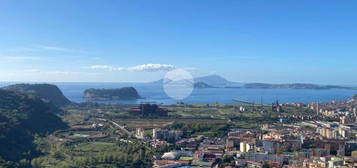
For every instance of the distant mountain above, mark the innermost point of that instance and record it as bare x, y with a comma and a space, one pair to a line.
218, 81
202, 85
293, 86
125, 93
211, 80
214, 80
21, 117
47, 92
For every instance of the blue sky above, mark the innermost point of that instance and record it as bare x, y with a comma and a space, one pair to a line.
128, 40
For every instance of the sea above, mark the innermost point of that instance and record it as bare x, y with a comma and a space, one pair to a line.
154, 93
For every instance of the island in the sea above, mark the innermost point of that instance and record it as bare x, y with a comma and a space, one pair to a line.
125, 93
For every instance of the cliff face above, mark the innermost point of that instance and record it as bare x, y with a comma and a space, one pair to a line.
125, 93
47, 92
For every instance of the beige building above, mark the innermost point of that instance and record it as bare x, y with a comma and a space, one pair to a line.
246, 146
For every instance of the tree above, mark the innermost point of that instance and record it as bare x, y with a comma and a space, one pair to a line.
36, 163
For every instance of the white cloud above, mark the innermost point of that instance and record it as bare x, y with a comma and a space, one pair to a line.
47, 75
43, 72
142, 68
17, 58
62, 73
152, 67
105, 67
32, 70
55, 48
41, 48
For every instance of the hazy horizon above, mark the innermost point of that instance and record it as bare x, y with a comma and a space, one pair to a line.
155, 80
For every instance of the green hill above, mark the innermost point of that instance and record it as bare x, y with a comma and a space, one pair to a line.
49, 93
21, 117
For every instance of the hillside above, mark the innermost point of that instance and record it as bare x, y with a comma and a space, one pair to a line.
125, 93
49, 93
21, 117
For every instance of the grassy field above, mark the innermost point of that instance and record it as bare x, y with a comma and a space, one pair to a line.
96, 147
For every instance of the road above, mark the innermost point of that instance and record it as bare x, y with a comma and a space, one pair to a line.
117, 125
